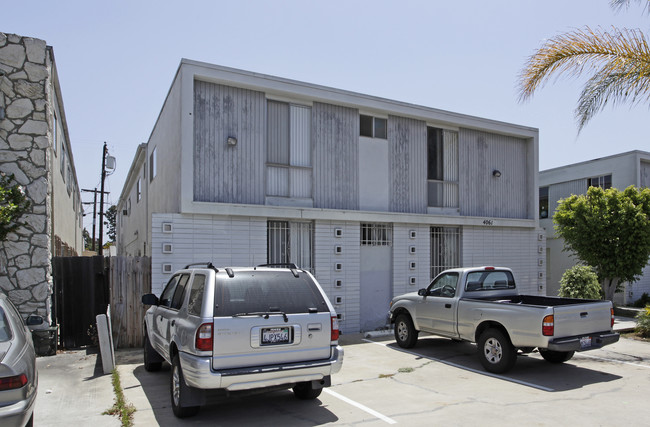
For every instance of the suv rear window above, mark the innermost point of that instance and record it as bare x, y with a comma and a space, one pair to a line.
264, 291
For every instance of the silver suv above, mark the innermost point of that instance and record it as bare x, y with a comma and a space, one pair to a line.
229, 331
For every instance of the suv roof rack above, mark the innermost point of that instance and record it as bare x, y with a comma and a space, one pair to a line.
280, 265
202, 264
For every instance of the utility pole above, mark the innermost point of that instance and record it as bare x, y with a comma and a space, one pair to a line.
94, 203
101, 202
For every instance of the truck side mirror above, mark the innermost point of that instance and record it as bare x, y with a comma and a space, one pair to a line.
149, 299
422, 292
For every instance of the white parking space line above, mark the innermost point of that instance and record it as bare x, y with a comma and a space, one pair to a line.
613, 360
476, 371
360, 406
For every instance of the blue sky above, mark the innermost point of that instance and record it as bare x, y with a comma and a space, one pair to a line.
116, 61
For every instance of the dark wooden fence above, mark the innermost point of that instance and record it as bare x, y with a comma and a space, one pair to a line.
130, 278
80, 293
83, 288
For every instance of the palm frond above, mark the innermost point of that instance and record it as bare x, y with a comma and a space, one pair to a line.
618, 5
619, 62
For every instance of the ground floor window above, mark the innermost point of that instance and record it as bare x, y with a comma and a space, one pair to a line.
445, 249
290, 242
376, 234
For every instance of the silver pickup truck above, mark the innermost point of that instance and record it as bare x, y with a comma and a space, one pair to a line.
482, 305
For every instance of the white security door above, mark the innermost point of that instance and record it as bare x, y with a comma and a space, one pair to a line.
376, 275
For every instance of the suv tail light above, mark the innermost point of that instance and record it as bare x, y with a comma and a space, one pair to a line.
204, 337
10, 383
548, 326
612, 311
335, 328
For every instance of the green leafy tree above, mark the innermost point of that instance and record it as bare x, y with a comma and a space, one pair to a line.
617, 60
580, 281
111, 216
13, 204
608, 230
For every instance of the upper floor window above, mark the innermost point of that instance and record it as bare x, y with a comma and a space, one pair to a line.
442, 168
604, 182
289, 172
139, 190
373, 127
543, 202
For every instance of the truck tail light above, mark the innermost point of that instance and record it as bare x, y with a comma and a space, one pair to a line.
335, 328
11, 383
612, 311
548, 326
203, 340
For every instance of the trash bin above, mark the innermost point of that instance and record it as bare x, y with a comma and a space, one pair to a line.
45, 341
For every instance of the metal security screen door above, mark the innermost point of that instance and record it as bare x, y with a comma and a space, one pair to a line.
290, 242
376, 274
445, 249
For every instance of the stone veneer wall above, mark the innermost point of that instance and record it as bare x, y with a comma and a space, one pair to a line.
25, 134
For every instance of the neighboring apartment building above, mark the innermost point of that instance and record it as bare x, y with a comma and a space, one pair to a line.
35, 147
374, 196
619, 171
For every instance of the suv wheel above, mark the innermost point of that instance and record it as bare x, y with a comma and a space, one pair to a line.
152, 360
178, 388
305, 391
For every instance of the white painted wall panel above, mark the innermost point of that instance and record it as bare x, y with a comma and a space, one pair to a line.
518, 249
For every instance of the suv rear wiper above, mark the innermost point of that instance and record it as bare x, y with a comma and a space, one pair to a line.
264, 314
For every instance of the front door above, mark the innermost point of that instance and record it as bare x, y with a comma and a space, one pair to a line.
376, 286
437, 310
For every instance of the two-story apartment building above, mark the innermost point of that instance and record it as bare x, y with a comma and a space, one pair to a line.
35, 148
618, 171
374, 196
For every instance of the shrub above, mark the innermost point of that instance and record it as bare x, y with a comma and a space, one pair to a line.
643, 323
580, 281
643, 301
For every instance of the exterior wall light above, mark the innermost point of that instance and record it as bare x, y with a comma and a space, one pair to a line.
496, 173
232, 141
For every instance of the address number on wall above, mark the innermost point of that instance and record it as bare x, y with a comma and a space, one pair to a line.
488, 222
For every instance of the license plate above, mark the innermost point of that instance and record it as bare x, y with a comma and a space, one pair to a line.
275, 336
585, 342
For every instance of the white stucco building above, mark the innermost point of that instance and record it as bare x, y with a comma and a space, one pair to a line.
619, 171
374, 196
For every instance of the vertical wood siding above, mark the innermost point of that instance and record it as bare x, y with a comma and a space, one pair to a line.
335, 142
224, 173
482, 194
563, 190
407, 139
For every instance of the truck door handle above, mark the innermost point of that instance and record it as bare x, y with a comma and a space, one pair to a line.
584, 314
447, 305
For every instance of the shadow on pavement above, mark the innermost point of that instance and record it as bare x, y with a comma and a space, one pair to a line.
530, 370
280, 406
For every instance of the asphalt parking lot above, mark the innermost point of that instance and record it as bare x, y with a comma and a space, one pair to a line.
439, 381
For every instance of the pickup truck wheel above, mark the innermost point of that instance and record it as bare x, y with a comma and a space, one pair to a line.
405, 333
177, 389
556, 356
305, 391
496, 352
152, 362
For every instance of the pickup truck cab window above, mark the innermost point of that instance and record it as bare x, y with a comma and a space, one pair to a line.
489, 280
443, 286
